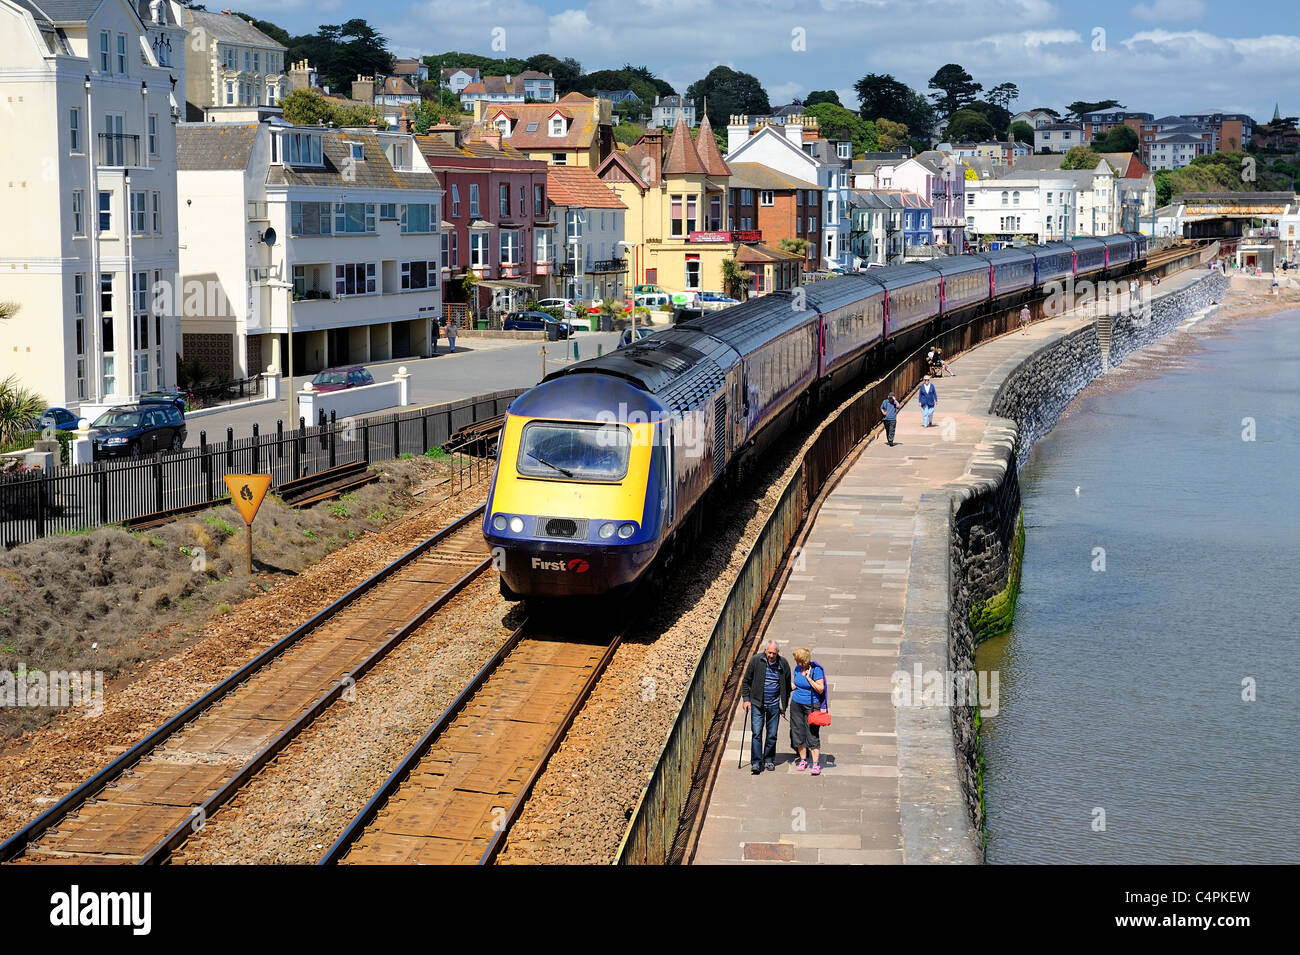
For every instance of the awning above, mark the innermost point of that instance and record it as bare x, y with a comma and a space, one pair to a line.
506, 284
482, 225
446, 226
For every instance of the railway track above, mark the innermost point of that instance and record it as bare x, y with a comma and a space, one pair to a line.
455, 795
146, 803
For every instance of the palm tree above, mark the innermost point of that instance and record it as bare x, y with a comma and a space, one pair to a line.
735, 279
20, 409
8, 310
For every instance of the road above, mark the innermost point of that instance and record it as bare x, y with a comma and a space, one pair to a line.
480, 365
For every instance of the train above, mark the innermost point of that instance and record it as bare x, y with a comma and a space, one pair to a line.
605, 468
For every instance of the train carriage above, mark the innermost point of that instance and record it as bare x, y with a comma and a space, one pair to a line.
1013, 271
851, 309
1053, 262
911, 302
1120, 253
1089, 257
966, 282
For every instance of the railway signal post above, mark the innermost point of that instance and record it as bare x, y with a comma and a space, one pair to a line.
247, 492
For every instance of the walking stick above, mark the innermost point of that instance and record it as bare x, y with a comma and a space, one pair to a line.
740, 758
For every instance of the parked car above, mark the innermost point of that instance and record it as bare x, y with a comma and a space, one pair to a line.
534, 322
688, 299
168, 397
145, 428
337, 379
654, 300
564, 303
60, 419
649, 290
596, 309
712, 301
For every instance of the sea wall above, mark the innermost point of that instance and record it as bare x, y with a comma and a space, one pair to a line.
965, 533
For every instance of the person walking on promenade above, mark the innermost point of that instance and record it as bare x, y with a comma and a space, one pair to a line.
889, 408
765, 694
939, 366
1024, 320
435, 337
451, 334
808, 693
928, 397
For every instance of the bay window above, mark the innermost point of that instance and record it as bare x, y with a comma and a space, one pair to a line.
354, 278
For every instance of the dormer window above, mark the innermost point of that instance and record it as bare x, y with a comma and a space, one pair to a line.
503, 126
358, 152
557, 126
302, 149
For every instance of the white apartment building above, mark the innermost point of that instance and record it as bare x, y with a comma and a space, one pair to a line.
594, 221
90, 206
230, 63
667, 110
335, 234
1057, 137
1034, 208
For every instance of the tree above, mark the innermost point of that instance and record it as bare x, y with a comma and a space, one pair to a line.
998, 116
1022, 132
310, 108
796, 246
20, 409
735, 280
1079, 107
1004, 94
1081, 157
891, 135
342, 53
838, 123
728, 93
1121, 139
968, 125
565, 72
1048, 110
1163, 179
881, 96
8, 310
956, 88
822, 96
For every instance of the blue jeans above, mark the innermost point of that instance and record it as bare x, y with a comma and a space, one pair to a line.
927, 415
762, 718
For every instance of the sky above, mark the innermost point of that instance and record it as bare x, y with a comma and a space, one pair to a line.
1157, 56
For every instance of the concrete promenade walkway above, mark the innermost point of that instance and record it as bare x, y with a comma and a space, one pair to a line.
847, 606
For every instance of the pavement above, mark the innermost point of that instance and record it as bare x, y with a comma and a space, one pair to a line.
479, 366
869, 545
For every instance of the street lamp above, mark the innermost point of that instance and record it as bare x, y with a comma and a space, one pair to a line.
632, 246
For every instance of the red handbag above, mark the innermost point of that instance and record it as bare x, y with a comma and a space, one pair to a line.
819, 718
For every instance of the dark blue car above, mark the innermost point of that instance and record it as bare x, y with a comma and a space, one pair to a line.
60, 419
138, 429
535, 322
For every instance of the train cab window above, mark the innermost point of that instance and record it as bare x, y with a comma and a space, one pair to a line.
575, 452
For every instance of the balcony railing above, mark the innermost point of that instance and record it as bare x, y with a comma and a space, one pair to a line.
610, 265
562, 269
119, 149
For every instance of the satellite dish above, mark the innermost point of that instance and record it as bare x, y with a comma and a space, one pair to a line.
269, 236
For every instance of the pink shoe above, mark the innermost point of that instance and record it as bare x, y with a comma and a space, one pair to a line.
817, 769
801, 765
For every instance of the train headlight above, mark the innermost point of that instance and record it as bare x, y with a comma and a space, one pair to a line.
499, 522
626, 530
517, 525
607, 531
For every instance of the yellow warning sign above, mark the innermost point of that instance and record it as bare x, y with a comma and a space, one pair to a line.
247, 491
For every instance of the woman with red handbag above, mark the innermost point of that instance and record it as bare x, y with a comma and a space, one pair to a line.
807, 709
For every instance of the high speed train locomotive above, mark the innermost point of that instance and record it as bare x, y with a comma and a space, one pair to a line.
604, 468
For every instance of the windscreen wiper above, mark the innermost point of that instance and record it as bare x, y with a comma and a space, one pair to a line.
555, 467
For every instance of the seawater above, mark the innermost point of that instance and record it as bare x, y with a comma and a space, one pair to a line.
1160, 593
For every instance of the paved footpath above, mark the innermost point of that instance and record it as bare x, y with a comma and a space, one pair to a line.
847, 606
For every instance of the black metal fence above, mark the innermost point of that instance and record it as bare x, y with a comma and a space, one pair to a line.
74, 499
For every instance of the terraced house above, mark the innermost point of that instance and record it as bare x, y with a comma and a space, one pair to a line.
576, 131
230, 63
90, 204
333, 235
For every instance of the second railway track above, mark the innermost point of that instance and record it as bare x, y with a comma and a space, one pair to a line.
145, 804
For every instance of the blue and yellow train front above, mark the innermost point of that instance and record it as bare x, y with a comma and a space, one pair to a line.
576, 505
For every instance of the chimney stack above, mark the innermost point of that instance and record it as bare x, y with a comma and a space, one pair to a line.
363, 89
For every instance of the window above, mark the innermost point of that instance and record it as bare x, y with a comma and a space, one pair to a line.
299, 281
356, 218
545, 246
246, 60
104, 61
844, 151
388, 210
354, 278
153, 134
419, 275
357, 151
105, 212
270, 96
419, 218
121, 52
74, 130
693, 274
137, 212
692, 214
812, 223
157, 212
115, 140
473, 200
304, 149
559, 159
715, 213
478, 251
557, 126
1015, 198
455, 201
573, 224
230, 94
539, 200
523, 200
455, 251
509, 247
1004, 197
766, 198
503, 195
445, 241
310, 218
140, 301
257, 63
78, 226
747, 197
79, 300
676, 215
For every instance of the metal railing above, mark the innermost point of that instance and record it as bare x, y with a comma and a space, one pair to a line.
71, 500
119, 149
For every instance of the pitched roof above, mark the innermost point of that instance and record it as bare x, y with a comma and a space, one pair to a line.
62, 11
373, 172
530, 130
449, 71
396, 86
228, 26
213, 146
579, 187
754, 175
534, 75
757, 252
682, 159
707, 147
628, 162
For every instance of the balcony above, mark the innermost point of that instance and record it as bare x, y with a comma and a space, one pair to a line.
562, 269
609, 265
119, 150
949, 222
